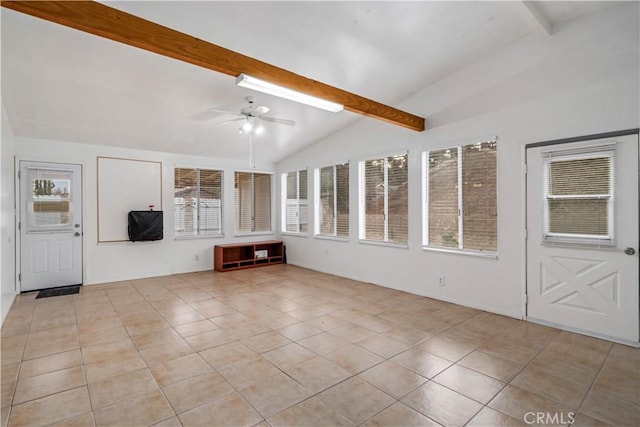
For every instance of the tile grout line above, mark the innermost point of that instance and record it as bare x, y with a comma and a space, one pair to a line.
595, 378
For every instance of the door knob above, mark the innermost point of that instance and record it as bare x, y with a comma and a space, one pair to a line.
629, 251
76, 234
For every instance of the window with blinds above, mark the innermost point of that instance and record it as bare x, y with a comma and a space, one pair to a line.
198, 201
252, 202
384, 202
332, 202
460, 197
295, 203
579, 195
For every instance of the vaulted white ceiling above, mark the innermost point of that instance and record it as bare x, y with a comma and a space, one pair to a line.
62, 84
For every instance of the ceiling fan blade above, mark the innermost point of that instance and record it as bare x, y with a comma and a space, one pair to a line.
226, 122
277, 120
210, 113
260, 110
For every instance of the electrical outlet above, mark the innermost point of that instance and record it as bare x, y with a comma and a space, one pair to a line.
441, 281
197, 257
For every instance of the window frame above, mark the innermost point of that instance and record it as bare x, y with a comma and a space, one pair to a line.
199, 234
253, 232
362, 224
318, 205
574, 239
284, 187
460, 249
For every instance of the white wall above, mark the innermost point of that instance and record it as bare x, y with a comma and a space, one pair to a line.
582, 80
107, 262
7, 223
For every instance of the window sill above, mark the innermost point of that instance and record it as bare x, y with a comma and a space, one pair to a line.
291, 233
257, 233
386, 244
200, 236
334, 238
479, 254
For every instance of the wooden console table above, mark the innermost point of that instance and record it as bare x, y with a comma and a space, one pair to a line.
247, 255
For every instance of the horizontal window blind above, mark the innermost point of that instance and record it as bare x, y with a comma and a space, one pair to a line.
479, 195
384, 201
210, 202
303, 202
291, 202
197, 201
443, 198
342, 200
333, 201
579, 216
374, 193
252, 202
262, 202
295, 204
460, 197
398, 200
327, 208
243, 199
579, 195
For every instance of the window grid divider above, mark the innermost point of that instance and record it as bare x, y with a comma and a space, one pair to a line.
460, 201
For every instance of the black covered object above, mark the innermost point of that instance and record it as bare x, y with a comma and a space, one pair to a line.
145, 226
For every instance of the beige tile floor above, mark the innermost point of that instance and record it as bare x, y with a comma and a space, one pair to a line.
285, 346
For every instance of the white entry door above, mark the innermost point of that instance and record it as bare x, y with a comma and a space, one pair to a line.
582, 244
50, 225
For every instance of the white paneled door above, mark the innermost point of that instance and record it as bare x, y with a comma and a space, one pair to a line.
50, 225
582, 237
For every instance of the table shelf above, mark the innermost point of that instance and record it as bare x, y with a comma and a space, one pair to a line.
237, 256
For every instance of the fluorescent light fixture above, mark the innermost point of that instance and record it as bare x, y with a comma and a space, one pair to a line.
273, 89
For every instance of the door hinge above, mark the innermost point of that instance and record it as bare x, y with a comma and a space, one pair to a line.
18, 174
526, 299
19, 277
526, 234
526, 168
19, 226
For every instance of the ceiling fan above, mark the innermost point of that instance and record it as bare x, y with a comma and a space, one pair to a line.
251, 116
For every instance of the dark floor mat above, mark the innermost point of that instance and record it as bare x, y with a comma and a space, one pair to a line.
67, 290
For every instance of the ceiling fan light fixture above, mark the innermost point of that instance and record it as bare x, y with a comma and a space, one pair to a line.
249, 82
251, 127
247, 127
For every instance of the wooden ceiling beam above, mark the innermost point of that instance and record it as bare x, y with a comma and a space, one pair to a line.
101, 20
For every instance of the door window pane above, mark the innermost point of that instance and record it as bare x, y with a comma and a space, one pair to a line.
579, 196
50, 205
